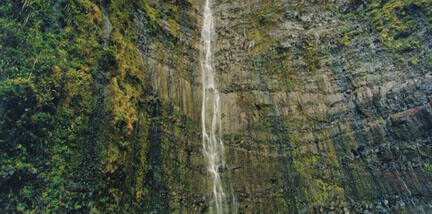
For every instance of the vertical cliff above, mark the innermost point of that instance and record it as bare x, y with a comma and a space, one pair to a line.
325, 105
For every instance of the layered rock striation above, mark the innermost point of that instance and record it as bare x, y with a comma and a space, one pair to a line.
325, 106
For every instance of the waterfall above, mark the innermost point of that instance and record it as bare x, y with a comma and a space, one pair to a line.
107, 28
213, 147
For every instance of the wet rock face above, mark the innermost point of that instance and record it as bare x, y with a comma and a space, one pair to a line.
313, 124
319, 113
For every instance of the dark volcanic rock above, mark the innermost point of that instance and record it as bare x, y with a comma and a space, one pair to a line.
320, 114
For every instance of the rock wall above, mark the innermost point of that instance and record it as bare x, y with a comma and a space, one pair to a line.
321, 113
326, 106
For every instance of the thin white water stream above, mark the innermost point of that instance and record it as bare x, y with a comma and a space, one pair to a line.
213, 147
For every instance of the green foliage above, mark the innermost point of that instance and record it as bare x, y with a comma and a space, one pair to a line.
46, 59
108, 60
428, 166
396, 21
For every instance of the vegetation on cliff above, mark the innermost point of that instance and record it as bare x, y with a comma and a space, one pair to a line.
46, 96
83, 128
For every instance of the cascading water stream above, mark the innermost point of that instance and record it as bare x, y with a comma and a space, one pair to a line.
213, 147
